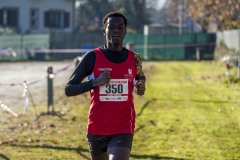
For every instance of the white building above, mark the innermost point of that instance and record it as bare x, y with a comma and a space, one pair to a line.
37, 16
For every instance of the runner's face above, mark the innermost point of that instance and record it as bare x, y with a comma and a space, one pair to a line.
114, 32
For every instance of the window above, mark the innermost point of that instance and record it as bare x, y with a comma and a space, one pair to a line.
9, 17
56, 19
34, 18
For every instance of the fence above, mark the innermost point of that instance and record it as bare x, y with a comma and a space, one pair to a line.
25, 41
153, 46
20, 44
231, 38
174, 46
36, 88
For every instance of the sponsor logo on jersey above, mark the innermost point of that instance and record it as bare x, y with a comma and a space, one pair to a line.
129, 71
129, 76
104, 69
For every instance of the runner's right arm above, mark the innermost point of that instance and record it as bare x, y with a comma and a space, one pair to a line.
75, 85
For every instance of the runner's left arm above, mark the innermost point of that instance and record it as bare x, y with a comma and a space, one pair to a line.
140, 77
140, 74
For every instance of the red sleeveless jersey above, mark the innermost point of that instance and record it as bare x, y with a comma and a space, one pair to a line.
112, 108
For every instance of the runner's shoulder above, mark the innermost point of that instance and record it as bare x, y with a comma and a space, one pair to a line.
137, 57
89, 55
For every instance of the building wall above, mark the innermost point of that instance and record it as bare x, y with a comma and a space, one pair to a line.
43, 5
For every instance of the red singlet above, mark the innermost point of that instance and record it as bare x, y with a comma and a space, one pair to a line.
111, 106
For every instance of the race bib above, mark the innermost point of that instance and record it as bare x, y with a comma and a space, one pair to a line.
116, 90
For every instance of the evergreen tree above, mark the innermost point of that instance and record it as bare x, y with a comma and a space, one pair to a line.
90, 13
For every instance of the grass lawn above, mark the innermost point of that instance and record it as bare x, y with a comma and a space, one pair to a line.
188, 112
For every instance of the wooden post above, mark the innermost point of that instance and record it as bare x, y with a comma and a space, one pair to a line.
77, 60
198, 58
50, 88
239, 68
50, 77
145, 52
228, 72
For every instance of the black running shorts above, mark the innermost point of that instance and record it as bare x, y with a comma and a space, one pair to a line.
99, 144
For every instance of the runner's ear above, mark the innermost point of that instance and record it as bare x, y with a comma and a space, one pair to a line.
104, 33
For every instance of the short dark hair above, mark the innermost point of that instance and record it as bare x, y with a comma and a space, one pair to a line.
113, 14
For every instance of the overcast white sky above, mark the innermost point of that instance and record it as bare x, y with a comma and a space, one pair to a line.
160, 3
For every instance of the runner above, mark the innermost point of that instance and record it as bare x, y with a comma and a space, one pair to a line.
112, 72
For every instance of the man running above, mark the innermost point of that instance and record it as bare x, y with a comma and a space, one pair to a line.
112, 72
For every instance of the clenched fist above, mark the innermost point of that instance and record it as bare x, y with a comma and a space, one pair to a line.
102, 79
140, 86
